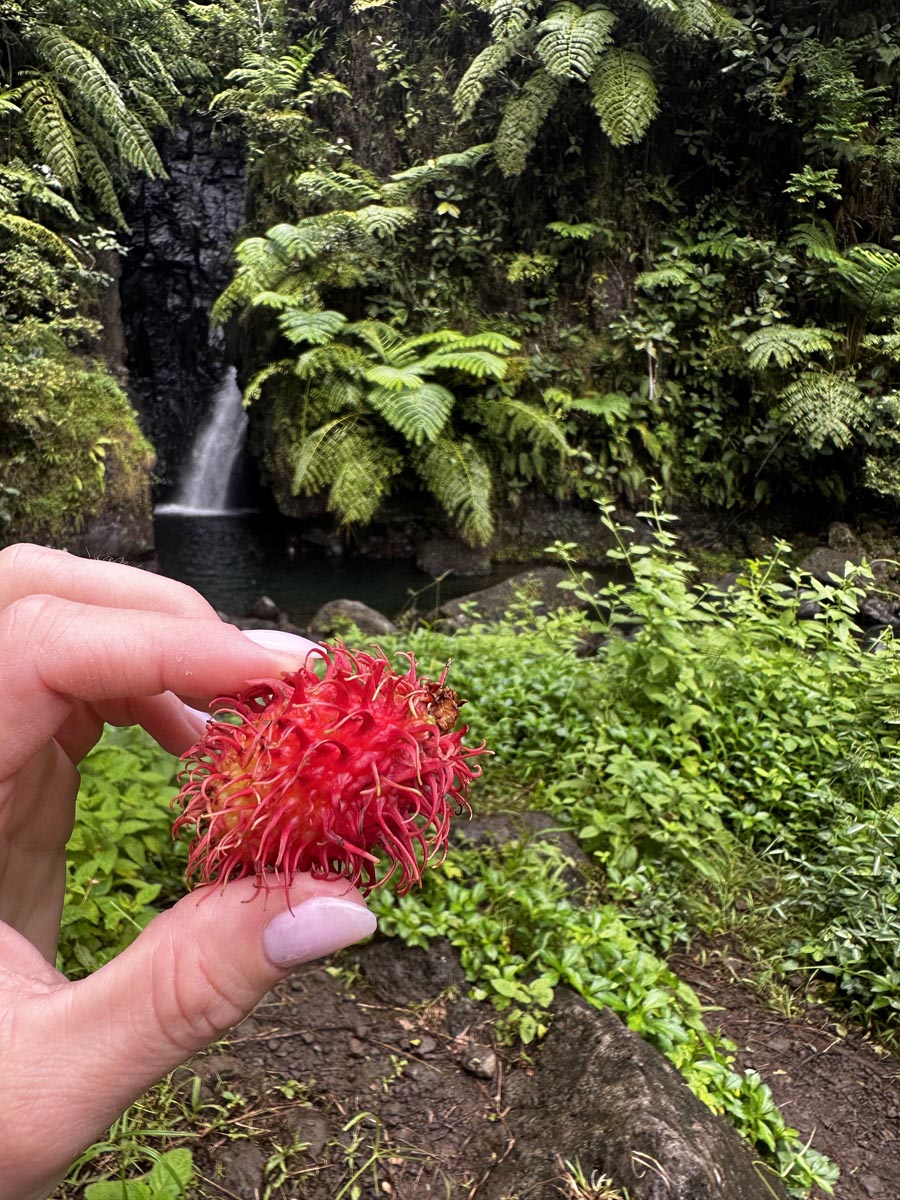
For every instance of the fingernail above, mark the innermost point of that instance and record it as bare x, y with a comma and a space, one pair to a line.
197, 718
281, 641
315, 928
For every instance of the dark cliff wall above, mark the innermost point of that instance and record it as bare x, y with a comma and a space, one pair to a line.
183, 230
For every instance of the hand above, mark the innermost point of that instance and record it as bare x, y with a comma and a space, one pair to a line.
83, 643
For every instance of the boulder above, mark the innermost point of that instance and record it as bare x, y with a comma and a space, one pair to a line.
264, 608
618, 1109
829, 566
541, 584
441, 555
337, 616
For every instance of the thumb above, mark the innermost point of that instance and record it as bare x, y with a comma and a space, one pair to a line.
193, 973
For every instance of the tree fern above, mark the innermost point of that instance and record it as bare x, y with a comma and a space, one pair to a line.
482, 364
305, 325
572, 39
282, 368
334, 358
418, 413
826, 407
623, 95
460, 480
99, 93
353, 464
786, 344
522, 119
363, 479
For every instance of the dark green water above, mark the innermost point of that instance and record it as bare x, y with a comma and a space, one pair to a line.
234, 559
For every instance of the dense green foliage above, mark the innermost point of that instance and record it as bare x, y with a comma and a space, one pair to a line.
83, 91
709, 293
724, 765
683, 212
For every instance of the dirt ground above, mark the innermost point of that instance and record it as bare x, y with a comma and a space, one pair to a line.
379, 1078
835, 1086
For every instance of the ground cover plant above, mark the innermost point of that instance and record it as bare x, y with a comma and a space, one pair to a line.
716, 750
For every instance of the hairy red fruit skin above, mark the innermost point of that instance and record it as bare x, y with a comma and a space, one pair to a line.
319, 774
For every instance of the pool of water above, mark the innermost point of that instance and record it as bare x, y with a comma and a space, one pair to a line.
234, 559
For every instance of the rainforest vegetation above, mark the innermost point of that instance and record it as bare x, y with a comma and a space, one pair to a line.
493, 250
489, 248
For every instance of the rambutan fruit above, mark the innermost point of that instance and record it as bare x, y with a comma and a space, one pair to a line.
327, 771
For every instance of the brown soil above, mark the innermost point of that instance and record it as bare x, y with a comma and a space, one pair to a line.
836, 1087
392, 1037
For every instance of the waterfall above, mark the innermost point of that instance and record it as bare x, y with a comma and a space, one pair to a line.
208, 473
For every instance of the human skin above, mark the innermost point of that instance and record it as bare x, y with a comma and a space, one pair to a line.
83, 643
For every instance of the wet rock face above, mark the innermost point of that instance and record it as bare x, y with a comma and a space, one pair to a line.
183, 230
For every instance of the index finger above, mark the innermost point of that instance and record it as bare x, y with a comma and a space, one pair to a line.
29, 570
55, 652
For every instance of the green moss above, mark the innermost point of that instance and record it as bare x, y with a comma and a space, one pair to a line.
70, 441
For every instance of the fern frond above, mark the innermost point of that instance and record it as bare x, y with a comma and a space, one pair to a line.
332, 358
702, 18
460, 480
299, 293
238, 293
338, 186
488, 339
44, 111
148, 108
317, 459
481, 71
573, 39
394, 379
273, 370
363, 479
522, 120
787, 344
817, 239
580, 231
872, 277
511, 418
305, 325
481, 364
95, 90
38, 235
357, 467
306, 240
511, 17
612, 406
418, 413
826, 407
673, 276
97, 177
378, 336
623, 95
377, 220
403, 184
19, 181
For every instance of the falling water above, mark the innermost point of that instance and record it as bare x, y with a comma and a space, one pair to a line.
207, 476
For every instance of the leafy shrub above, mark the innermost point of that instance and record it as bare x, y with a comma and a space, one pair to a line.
122, 862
